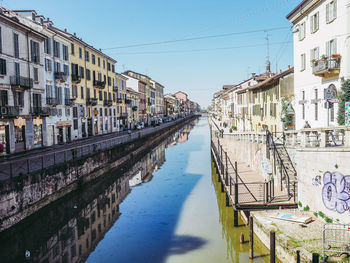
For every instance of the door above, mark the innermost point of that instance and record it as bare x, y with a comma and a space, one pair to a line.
68, 134
89, 127
60, 136
83, 129
20, 139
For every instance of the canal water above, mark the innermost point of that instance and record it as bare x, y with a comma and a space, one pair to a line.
166, 208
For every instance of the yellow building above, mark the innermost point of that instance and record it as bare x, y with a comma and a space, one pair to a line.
132, 104
266, 100
121, 106
93, 81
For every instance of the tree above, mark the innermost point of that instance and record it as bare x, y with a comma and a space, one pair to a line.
344, 96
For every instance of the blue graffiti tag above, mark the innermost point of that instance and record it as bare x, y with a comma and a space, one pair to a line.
336, 191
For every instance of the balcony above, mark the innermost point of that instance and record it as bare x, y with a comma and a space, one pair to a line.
22, 82
91, 101
40, 111
9, 111
123, 115
107, 103
127, 101
115, 88
134, 108
60, 76
326, 67
69, 102
119, 100
53, 101
99, 84
76, 79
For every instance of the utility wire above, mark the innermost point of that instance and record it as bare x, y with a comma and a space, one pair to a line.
197, 50
198, 38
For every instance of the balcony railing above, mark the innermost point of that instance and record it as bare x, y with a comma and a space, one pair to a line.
9, 111
60, 76
127, 101
115, 88
76, 79
99, 84
323, 66
91, 101
69, 102
53, 101
107, 103
40, 111
23, 82
119, 100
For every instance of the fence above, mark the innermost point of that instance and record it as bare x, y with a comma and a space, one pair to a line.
336, 239
14, 168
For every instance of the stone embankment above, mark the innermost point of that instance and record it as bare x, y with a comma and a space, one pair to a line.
25, 194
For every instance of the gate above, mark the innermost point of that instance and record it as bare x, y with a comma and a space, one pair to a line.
336, 239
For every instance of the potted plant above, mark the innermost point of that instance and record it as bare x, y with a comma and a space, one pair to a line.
323, 57
314, 61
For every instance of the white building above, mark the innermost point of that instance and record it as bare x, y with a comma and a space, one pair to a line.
321, 58
21, 86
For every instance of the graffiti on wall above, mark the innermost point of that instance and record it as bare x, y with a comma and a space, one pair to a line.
336, 191
316, 181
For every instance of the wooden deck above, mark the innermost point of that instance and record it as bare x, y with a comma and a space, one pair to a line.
253, 191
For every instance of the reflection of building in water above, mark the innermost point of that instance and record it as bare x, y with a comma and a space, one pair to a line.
71, 237
75, 241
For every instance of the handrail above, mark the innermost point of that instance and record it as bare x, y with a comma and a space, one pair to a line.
217, 127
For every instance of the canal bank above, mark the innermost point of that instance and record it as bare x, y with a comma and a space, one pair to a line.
25, 194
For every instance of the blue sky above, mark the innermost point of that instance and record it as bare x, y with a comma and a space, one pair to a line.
179, 65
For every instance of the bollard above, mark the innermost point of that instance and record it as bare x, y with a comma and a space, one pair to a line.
241, 238
251, 238
315, 258
222, 187
298, 256
227, 200
272, 247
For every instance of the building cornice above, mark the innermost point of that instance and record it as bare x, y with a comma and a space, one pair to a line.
302, 9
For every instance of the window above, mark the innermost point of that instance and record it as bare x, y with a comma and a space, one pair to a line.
75, 69
65, 52
74, 91
36, 74
18, 98
82, 92
108, 66
331, 11
109, 81
17, 69
88, 75
49, 93
0, 41
104, 64
302, 62
66, 69
48, 65
3, 98
72, 49
15, 45
99, 61
331, 47
87, 56
100, 94
87, 93
35, 52
57, 67
314, 23
302, 31
81, 70
56, 49
2, 66
47, 46
113, 68
93, 59
314, 53
80, 53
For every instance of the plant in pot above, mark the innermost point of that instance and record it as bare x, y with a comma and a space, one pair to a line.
314, 61
323, 57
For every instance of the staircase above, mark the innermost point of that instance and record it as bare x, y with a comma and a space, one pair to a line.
283, 165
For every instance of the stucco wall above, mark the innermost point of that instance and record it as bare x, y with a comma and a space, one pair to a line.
324, 181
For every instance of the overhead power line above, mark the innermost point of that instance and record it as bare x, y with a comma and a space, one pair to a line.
198, 50
198, 38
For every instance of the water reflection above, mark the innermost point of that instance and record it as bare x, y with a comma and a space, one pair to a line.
69, 229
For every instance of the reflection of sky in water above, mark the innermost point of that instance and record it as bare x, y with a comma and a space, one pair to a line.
175, 217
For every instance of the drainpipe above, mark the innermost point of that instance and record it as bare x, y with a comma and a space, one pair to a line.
28, 63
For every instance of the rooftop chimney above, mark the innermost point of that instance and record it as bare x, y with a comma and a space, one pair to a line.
288, 66
75, 34
268, 67
65, 30
253, 75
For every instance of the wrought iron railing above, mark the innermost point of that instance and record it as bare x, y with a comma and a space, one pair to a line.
23, 82
9, 111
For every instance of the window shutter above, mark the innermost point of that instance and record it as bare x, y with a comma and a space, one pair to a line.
328, 48
317, 53
312, 24
334, 9
312, 54
317, 20
334, 46
327, 13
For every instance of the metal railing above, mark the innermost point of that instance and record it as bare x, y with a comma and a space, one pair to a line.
325, 65
99, 84
9, 111
335, 239
23, 82
13, 168
40, 111
91, 101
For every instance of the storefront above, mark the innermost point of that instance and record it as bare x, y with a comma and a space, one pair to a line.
20, 134
37, 132
4, 138
63, 131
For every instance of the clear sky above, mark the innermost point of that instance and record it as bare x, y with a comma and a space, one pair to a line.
198, 67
